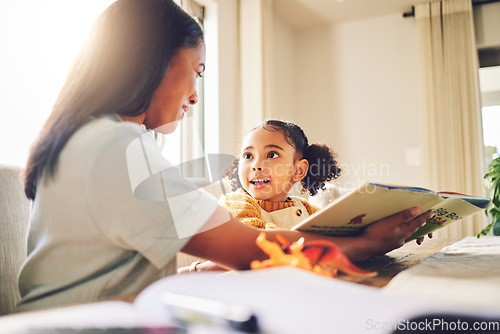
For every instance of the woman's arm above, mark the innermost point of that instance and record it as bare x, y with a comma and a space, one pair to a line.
232, 244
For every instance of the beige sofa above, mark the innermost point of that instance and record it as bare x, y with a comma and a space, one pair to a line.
14, 218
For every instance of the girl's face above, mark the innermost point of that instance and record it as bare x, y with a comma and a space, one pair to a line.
267, 166
177, 91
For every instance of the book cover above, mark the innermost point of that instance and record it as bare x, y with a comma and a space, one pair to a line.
370, 202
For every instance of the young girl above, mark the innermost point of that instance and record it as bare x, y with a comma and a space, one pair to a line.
275, 155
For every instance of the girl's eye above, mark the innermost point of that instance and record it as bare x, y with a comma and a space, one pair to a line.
272, 155
246, 155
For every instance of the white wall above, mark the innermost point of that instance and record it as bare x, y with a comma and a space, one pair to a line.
284, 68
487, 25
356, 87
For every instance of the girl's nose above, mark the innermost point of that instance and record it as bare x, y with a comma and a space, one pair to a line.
256, 168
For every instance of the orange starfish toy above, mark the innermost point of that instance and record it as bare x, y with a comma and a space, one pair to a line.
319, 256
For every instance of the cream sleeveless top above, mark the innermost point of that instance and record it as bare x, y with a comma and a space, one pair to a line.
287, 217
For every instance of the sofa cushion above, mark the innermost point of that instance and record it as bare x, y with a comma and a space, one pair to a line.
14, 219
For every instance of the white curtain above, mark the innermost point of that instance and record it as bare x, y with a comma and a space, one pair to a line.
454, 149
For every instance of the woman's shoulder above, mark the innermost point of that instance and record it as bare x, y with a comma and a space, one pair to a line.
110, 128
108, 133
106, 143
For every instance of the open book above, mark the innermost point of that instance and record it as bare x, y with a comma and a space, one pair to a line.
352, 212
284, 300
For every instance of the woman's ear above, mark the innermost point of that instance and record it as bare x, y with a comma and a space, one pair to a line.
301, 168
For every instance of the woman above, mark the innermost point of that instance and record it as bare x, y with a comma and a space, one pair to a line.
101, 228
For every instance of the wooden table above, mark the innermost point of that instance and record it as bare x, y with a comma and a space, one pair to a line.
391, 264
387, 266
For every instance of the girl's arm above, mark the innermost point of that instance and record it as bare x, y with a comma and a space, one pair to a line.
232, 244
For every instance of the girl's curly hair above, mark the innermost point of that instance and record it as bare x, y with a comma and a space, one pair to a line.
323, 166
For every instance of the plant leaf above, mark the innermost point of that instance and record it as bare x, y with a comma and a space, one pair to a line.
486, 230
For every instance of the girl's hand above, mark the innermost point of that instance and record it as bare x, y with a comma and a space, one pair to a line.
209, 266
201, 266
392, 232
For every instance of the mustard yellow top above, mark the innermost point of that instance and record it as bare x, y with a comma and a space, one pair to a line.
247, 209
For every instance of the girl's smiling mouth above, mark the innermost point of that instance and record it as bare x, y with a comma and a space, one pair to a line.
259, 183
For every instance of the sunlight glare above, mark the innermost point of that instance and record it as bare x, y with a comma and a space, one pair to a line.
39, 39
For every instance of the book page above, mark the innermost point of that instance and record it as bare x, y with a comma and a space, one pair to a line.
290, 300
352, 212
102, 315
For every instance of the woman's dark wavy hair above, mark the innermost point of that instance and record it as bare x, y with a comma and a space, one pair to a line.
323, 165
121, 64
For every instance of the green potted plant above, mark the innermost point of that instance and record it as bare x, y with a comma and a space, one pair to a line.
493, 185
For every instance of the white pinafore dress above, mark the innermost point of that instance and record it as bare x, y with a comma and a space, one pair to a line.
287, 217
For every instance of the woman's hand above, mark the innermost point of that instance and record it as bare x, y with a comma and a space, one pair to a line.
392, 232
421, 239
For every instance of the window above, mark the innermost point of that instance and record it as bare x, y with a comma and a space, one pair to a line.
490, 96
186, 146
